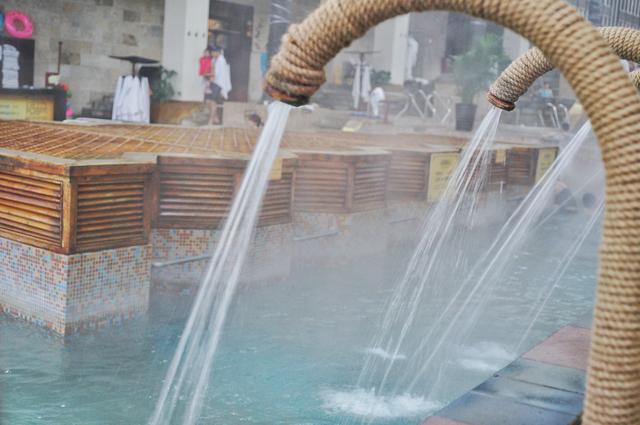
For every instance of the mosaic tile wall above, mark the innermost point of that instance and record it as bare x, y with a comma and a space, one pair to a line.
66, 293
331, 237
33, 284
269, 257
107, 287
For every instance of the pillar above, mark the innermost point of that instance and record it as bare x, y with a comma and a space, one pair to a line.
390, 41
185, 38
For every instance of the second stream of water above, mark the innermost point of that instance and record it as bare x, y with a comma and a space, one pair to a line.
187, 379
457, 278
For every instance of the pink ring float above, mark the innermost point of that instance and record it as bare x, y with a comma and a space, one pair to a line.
18, 24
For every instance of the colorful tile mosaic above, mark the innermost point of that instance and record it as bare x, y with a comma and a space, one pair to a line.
66, 293
269, 256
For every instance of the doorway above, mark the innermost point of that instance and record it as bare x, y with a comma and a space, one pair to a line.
231, 29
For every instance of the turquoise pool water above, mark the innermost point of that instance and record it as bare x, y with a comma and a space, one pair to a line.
291, 352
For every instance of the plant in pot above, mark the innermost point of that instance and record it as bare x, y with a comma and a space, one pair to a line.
162, 91
473, 72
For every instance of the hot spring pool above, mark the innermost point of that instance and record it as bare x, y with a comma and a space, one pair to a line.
291, 353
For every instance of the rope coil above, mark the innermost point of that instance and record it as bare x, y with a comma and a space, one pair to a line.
524, 71
595, 73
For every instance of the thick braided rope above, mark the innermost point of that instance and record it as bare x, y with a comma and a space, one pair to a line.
583, 56
635, 79
520, 75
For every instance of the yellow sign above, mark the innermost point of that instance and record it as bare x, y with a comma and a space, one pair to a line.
276, 170
26, 108
441, 168
501, 156
546, 156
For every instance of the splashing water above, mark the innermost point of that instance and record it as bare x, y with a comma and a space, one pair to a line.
190, 368
361, 402
379, 352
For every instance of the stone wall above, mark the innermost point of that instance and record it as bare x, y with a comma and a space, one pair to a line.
91, 30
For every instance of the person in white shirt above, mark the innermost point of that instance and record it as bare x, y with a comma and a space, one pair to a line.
218, 85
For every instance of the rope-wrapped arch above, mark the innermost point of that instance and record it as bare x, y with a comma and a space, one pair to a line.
522, 72
611, 101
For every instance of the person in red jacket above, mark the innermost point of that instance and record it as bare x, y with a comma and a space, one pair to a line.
205, 63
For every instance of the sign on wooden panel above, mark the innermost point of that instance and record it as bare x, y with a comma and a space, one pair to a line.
26, 108
441, 168
276, 170
546, 156
501, 156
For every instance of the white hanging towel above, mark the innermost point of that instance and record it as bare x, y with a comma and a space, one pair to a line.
223, 76
365, 90
412, 58
355, 90
131, 102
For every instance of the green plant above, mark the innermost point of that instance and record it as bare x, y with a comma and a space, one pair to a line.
162, 88
476, 69
379, 78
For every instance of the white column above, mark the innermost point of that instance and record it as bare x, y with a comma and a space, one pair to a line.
184, 40
391, 41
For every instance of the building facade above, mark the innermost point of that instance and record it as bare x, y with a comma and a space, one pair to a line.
624, 13
176, 32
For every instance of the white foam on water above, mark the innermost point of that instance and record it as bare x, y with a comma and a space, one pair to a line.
366, 403
485, 357
383, 354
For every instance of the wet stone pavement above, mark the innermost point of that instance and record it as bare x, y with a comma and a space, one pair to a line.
543, 387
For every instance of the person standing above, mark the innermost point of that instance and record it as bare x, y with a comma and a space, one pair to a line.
218, 84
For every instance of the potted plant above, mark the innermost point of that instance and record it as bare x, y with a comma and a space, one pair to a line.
162, 92
473, 72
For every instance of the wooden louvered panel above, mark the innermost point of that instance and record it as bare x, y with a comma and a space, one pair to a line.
194, 197
110, 212
370, 184
497, 178
321, 186
31, 209
480, 166
408, 173
520, 166
276, 207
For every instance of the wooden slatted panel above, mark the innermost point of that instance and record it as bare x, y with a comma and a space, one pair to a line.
276, 207
31, 209
321, 186
370, 184
196, 196
520, 166
110, 212
488, 169
408, 173
497, 179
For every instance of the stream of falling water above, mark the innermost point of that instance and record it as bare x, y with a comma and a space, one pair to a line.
456, 325
424, 377
185, 385
440, 229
